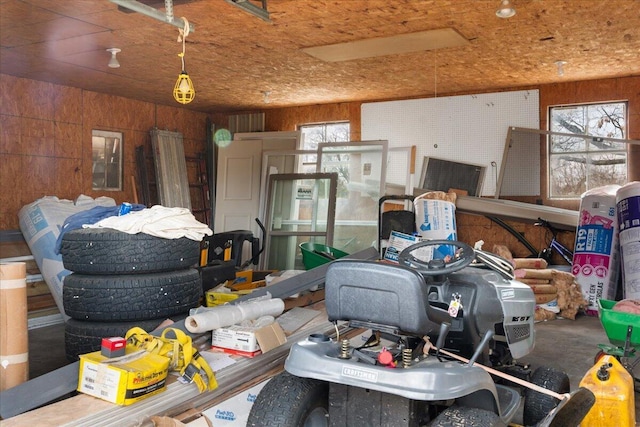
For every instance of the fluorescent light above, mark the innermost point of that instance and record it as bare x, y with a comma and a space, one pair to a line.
393, 45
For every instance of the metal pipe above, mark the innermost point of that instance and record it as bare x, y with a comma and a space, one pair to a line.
136, 6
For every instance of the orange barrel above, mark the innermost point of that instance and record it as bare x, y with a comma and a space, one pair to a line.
14, 334
613, 387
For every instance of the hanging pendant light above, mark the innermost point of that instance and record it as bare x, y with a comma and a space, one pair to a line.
113, 61
183, 90
505, 10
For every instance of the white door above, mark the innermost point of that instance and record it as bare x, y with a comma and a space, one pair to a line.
238, 178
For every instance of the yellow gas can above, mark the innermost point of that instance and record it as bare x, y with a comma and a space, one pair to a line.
613, 387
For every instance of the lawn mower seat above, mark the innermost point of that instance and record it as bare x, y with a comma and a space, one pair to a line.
381, 296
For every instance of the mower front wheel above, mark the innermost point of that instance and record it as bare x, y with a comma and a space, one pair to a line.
287, 400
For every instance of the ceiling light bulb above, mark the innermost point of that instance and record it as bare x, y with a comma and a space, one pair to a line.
113, 62
560, 65
505, 10
184, 86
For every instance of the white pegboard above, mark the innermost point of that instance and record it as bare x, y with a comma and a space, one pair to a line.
467, 129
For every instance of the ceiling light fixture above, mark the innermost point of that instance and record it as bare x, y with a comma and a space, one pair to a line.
560, 65
420, 41
247, 6
183, 91
113, 61
167, 17
266, 94
505, 10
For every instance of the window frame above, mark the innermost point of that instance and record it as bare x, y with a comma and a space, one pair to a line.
588, 141
111, 169
310, 161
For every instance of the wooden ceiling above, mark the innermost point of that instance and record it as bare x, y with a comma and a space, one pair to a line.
234, 57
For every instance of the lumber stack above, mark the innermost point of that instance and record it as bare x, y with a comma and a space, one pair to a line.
556, 292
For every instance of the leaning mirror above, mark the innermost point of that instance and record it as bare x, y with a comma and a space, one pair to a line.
107, 160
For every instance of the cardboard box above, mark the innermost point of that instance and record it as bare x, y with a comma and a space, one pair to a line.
247, 340
125, 380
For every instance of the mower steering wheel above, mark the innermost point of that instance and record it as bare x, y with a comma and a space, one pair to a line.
435, 267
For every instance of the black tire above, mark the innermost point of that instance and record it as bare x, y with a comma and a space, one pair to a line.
108, 251
537, 405
130, 297
463, 416
287, 401
86, 337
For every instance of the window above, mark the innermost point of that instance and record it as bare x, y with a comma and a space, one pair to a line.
107, 160
314, 134
586, 154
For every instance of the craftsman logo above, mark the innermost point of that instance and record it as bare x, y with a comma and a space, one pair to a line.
360, 374
507, 293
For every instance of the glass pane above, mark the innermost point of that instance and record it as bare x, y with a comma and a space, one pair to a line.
337, 132
315, 134
607, 168
299, 205
568, 119
567, 144
361, 168
607, 120
285, 253
300, 209
567, 175
600, 144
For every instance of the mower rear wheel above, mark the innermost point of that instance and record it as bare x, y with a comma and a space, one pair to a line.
287, 400
537, 405
463, 416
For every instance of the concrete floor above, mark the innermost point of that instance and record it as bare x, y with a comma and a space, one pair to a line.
568, 345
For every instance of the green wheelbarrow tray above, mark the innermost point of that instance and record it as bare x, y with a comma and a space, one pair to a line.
616, 325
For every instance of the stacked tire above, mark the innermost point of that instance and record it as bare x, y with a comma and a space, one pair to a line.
122, 280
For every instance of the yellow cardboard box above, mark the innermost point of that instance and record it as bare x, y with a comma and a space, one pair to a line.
123, 380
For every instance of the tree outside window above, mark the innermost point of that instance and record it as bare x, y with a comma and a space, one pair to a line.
586, 159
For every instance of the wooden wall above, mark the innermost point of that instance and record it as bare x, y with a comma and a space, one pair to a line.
45, 149
45, 140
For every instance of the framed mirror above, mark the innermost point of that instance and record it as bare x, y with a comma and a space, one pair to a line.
107, 160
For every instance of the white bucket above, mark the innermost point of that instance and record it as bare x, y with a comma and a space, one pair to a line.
436, 220
628, 210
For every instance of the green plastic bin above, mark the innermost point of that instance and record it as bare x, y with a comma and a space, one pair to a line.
316, 254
